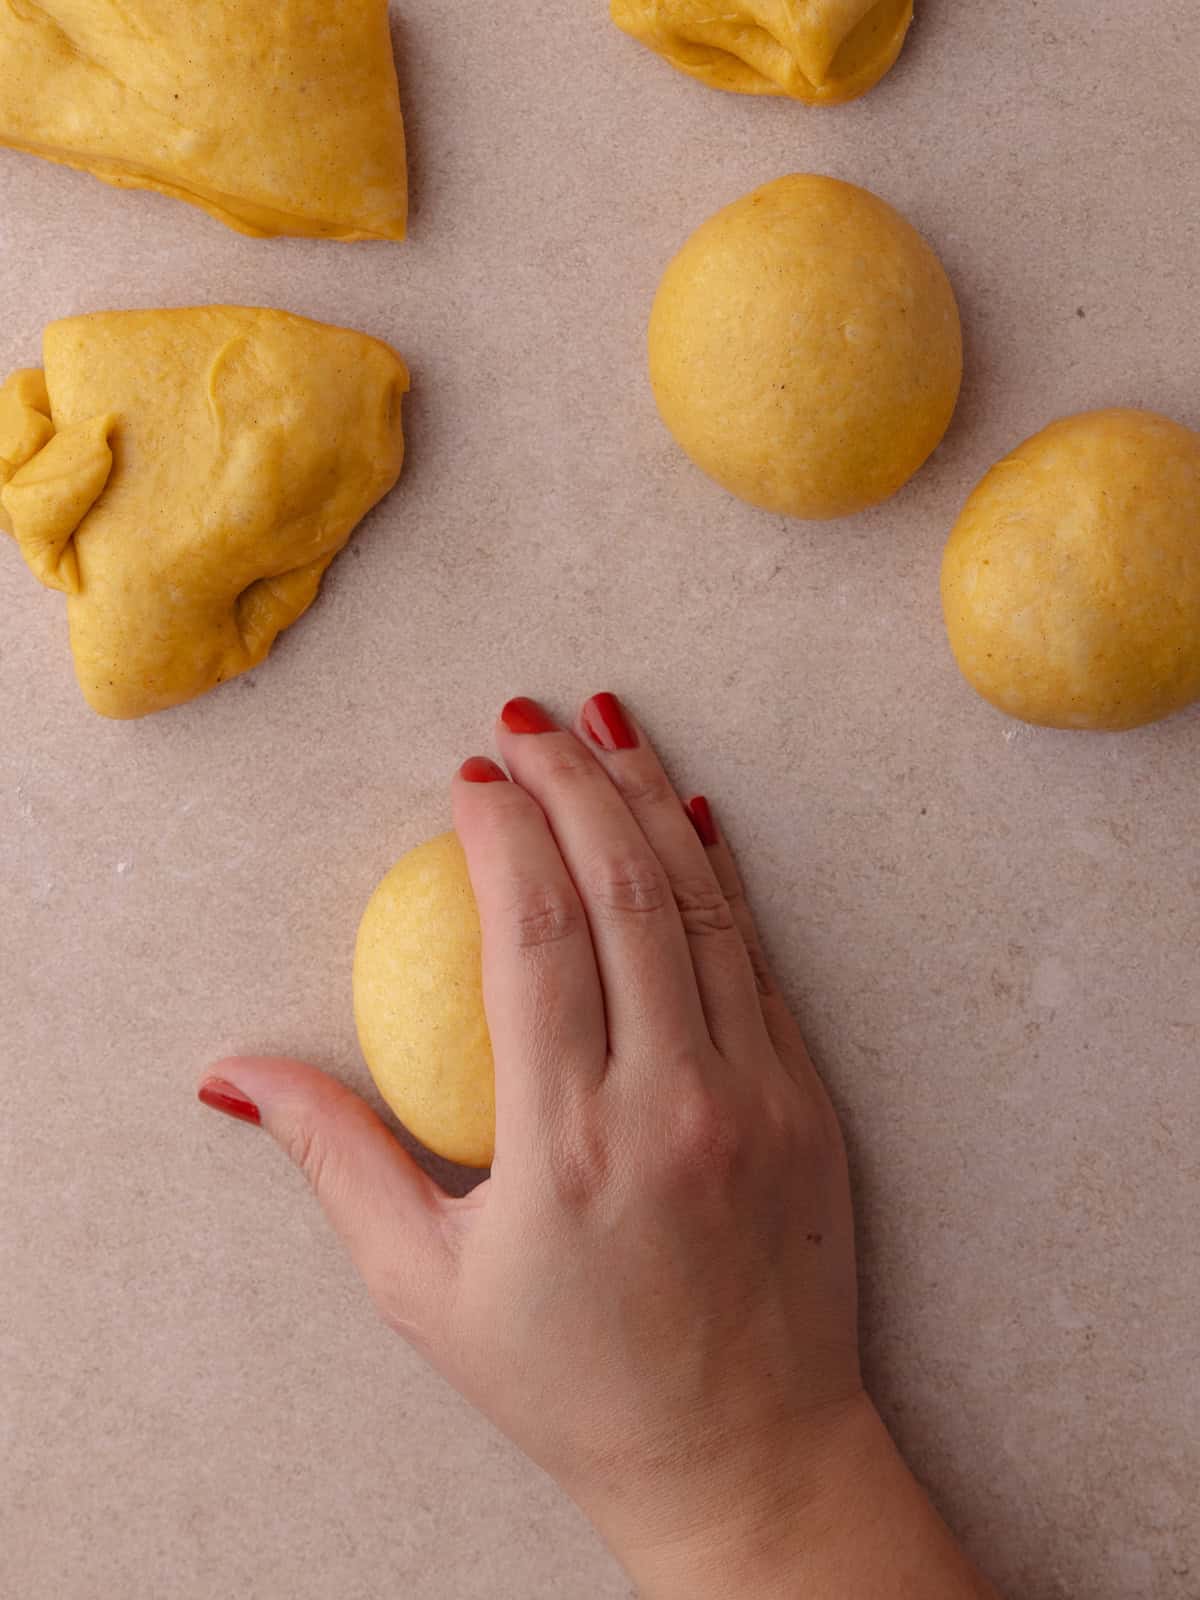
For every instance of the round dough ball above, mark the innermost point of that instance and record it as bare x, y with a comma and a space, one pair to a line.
1071, 582
418, 1003
805, 348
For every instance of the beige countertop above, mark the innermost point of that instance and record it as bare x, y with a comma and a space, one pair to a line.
990, 932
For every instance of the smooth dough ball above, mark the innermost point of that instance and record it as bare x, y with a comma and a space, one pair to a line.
805, 348
418, 1003
1071, 581
822, 52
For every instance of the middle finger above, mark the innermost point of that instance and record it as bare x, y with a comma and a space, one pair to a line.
724, 976
645, 964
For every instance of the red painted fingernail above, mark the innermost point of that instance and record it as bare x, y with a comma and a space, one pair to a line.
526, 716
222, 1096
605, 720
478, 769
700, 812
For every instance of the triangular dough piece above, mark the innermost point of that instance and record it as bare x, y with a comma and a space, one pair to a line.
275, 116
819, 51
186, 477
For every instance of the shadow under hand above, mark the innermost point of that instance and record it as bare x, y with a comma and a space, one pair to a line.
448, 1175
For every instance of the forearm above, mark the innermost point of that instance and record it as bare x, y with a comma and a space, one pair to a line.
844, 1520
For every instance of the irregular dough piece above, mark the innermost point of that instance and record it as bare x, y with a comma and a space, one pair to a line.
820, 51
1071, 581
418, 1003
805, 348
279, 118
201, 470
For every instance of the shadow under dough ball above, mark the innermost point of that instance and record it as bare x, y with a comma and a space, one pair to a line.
418, 1003
1071, 581
805, 348
820, 51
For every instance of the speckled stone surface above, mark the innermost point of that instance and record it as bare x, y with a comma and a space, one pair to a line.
991, 933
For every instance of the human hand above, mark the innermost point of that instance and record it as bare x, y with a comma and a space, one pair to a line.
653, 1293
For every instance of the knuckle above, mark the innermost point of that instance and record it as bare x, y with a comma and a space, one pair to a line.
703, 908
504, 802
736, 896
646, 790
629, 885
739, 910
579, 1168
572, 1181
707, 1139
543, 914
566, 762
308, 1150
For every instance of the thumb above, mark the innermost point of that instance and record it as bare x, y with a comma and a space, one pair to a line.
387, 1212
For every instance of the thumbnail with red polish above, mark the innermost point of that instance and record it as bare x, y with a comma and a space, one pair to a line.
222, 1096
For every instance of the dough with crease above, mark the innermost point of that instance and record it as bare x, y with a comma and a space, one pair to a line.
418, 1003
275, 118
185, 478
1071, 581
819, 51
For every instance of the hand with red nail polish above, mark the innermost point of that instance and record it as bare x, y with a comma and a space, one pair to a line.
478, 769
654, 1291
526, 716
221, 1096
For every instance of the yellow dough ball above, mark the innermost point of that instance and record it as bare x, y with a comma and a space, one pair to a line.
1071, 581
822, 52
805, 348
418, 1003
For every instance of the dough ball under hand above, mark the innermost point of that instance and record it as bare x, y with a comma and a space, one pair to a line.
805, 348
1071, 581
418, 1003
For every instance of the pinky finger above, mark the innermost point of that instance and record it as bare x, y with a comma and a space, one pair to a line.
781, 1025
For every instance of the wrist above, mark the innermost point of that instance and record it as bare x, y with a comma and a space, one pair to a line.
831, 1513
750, 1522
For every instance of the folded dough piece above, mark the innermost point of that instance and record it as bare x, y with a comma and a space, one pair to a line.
275, 116
185, 477
819, 51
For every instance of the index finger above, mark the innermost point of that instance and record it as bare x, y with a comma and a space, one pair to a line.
541, 986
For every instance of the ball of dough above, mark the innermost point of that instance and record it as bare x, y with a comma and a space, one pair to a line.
805, 348
418, 1003
823, 52
1071, 581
